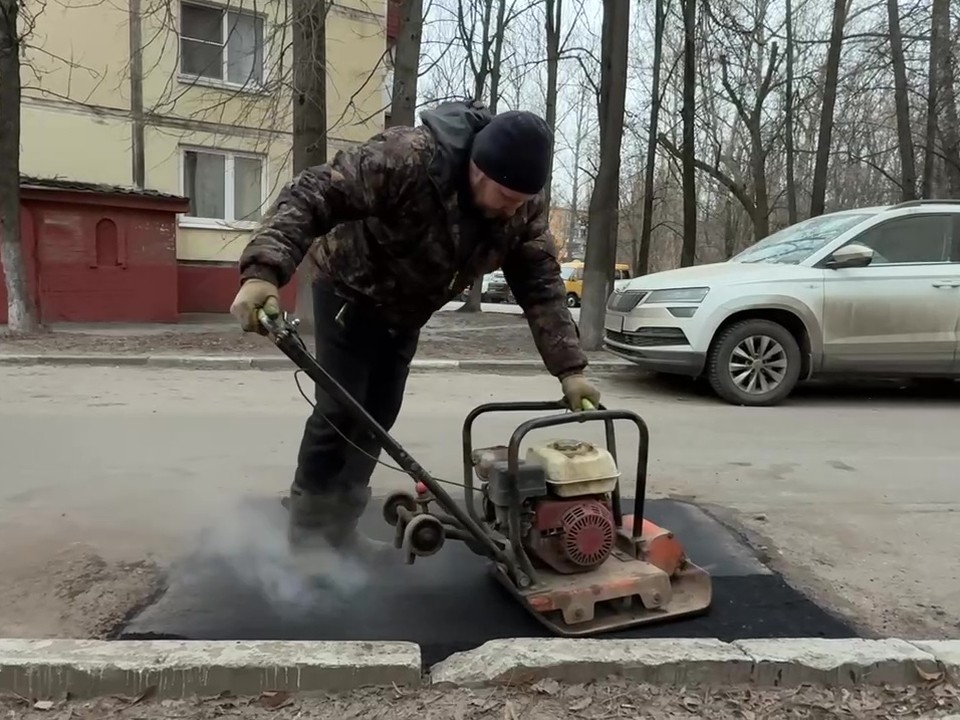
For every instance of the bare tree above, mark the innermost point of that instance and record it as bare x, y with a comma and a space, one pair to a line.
819, 192
937, 41
406, 63
604, 201
790, 151
309, 113
689, 151
646, 230
752, 118
576, 191
747, 75
553, 22
908, 169
948, 123
21, 314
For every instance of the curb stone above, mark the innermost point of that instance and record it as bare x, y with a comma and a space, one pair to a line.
84, 669
41, 669
67, 359
661, 661
281, 362
785, 662
947, 653
837, 662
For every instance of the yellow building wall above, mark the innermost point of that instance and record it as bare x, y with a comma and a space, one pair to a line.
78, 52
76, 117
57, 142
355, 46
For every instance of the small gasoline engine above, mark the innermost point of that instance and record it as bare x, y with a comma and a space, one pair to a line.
564, 487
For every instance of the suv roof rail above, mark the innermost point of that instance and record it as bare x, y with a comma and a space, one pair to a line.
930, 201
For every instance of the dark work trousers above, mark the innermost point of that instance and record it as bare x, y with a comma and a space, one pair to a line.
372, 363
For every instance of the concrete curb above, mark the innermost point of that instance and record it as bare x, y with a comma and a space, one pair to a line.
51, 669
41, 669
281, 362
682, 661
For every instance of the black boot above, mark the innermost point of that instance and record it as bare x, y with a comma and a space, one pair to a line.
328, 522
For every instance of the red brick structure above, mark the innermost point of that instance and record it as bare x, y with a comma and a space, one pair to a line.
209, 287
97, 253
393, 20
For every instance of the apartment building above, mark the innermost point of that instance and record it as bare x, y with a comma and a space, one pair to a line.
156, 133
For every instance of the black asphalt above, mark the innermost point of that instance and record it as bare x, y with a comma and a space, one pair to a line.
238, 587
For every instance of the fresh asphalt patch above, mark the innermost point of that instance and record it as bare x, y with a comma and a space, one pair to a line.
240, 584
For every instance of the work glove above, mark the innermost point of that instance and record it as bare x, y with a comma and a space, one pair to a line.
576, 389
255, 294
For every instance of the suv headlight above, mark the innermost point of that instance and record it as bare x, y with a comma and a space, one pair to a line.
678, 295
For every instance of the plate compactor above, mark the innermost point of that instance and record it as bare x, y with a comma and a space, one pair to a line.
551, 523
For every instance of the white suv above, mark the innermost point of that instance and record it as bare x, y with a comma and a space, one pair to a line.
873, 291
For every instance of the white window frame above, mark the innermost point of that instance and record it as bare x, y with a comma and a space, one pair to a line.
251, 86
229, 198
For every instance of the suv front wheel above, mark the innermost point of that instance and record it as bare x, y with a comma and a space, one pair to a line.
754, 362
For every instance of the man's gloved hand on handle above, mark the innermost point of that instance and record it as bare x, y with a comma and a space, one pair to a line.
576, 389
255, 294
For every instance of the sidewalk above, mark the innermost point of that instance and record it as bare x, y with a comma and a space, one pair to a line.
501, 337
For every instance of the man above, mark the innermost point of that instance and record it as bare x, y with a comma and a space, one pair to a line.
406, 222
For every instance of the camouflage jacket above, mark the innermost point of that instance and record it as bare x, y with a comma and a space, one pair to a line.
386, 223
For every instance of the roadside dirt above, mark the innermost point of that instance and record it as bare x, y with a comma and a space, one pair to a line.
448, 335
76, 593
545, 701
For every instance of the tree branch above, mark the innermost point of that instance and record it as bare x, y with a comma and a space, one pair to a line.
713, 171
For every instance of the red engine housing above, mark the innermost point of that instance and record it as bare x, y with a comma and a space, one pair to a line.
572, 536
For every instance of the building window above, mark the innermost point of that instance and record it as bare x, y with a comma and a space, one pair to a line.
221, 45
224, 187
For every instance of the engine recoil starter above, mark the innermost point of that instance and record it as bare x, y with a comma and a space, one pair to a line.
572, 536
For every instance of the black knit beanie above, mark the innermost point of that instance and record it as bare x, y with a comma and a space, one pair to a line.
514, 149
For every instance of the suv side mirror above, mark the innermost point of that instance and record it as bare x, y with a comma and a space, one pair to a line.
853, 255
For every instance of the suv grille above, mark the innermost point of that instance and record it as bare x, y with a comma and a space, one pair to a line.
626, 300
649, 337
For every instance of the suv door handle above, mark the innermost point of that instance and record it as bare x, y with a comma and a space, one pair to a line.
947, 284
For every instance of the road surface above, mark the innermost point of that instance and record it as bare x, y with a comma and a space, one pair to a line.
853, 495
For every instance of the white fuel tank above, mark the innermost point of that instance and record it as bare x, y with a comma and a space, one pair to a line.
576, 467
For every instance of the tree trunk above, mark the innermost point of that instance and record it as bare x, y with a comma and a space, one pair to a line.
573, 235
729, 236
553, 10
489, 65
758, 165
309, 116
688, 253
21, 314
604, 200
758, 153
948, 123
937, 41
819, 192
406, 65
908, 168
790, 148
495, 64
646, 229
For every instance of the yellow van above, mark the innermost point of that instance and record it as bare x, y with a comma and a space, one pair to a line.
572, 274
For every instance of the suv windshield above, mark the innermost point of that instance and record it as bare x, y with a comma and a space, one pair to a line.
567, 272
794, 244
